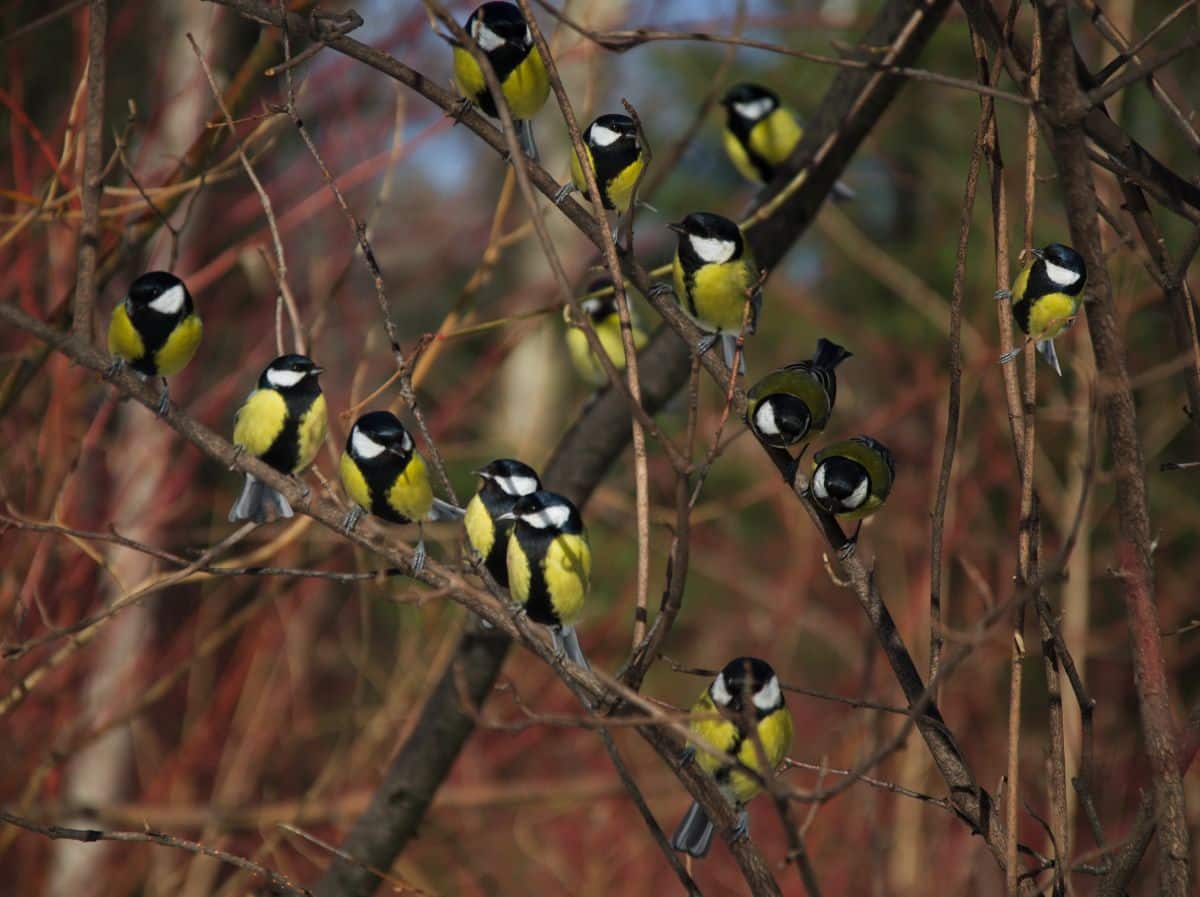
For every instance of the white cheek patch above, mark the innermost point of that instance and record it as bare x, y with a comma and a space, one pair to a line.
859, 495
1063, 277
487, 39
602, 136
713, 250
406, 442
528, 37
517, 485
555, 516
770, 696
818, 484
764, 419
284, 379
364, 445
170, 302
591, 307
720, 691
755, 109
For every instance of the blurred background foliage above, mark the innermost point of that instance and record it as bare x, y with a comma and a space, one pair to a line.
221, 708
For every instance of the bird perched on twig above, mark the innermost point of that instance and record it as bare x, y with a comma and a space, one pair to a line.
743, 714
550, 565
600, 305
155, 330
501, 32
282, 422
715, 275
385, 476
502, 483
788, 404
1046, 298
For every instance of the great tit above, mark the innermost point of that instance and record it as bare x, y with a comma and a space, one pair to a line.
500, 31
501, 484
761, 134
745, 693
1046, 298
550, 565
715, 273
600, 305
852, 479
282, 422
788, 404
155, 330
615, 151
384, 475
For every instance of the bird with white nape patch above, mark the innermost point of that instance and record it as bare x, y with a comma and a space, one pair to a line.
715, 275
501, 32
789, 404
549, 565
600, 305
614, 151
852, 479
282, 423
761, 134
1046, 297
385, 476
502, 483
743, 715
155, 330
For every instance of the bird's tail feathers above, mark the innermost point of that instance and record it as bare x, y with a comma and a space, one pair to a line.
259, 502
1046, 348
829, 354
443, 510
695, 832
525, 137
568, 640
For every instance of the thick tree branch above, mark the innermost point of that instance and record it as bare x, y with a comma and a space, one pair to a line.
1067, 110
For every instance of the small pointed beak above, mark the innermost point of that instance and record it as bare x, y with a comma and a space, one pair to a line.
1037, 254
678, 227
318, 370
503, 517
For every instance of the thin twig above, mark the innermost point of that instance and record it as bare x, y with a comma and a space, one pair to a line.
89, 187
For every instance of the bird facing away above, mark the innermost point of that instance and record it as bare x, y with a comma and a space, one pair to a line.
787, 405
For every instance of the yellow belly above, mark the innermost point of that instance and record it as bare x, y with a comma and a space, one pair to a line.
259, 421
411, 494
738, 156
609, 332
481, 532
520, 575
620, 188
123, 339
525, 88
180, 347
718, 293
568, 571
775, 733
354, 482
1051, 315
776, 136
312, 433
